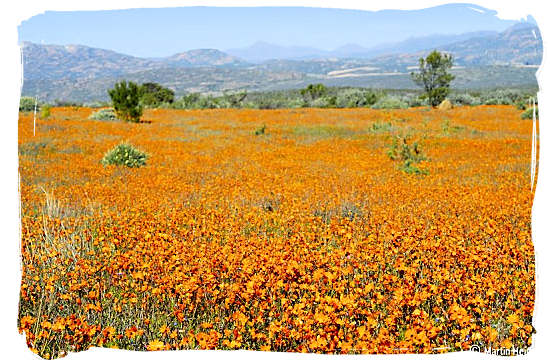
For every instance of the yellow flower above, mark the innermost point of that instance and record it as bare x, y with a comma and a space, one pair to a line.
155, 345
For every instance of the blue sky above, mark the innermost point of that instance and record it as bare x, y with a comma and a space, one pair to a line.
165, 31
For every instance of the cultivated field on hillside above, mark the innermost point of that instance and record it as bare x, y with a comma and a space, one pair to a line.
308, 230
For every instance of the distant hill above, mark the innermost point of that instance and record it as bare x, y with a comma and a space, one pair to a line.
416, 44
76, 61
202, 57
521, 44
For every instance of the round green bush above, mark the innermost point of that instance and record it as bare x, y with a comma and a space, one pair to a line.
528, 114
104, 115
126, 155
27, 104
390, 103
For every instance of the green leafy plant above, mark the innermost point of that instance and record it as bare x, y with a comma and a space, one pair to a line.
126, 155
125, 98
528, 114
46, 112
103, 115
27, 104
260, 131
313, 92
152, 94
379, 127
390, 102
409, 153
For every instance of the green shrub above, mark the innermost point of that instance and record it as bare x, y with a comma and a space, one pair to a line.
409, 153
125, 98
96, 104
313, 92
521, 105
125, 155
27, 104
152, 94
413, 100
390, 103
464, 99
260, 131
410, 168
235, 100
502, 97
528, 114
381, 127
45, 112
324, 102
66, 103
355, 98
104, 115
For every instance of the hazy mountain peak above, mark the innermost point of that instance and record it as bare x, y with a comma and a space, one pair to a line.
203, 57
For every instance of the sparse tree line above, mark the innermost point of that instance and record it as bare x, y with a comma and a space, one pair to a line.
128, 99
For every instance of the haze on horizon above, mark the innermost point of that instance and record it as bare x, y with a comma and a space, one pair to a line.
166, 31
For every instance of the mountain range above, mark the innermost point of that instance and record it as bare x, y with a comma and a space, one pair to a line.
263, 51
482, 59
160, 32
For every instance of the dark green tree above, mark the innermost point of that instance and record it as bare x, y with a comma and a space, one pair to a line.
125, 98
313, 92
152, 94
235, 100
434, 76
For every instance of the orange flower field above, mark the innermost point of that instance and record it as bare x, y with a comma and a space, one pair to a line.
304, 237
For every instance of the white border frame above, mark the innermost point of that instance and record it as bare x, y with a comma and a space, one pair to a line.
12, 345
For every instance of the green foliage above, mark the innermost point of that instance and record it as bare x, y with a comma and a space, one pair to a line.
97, 104
125, 98
27, 104
521, 105
45, 112
260, 131
434, 76
503, 97
447, 128
235, 100
381, 127
313, 92
196, 101
351, 98
528, 114
125, 155
153, 95
389, 102
464, 99
409, 153
104, 115
324, 102
337, 97
65, 103
410, 168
